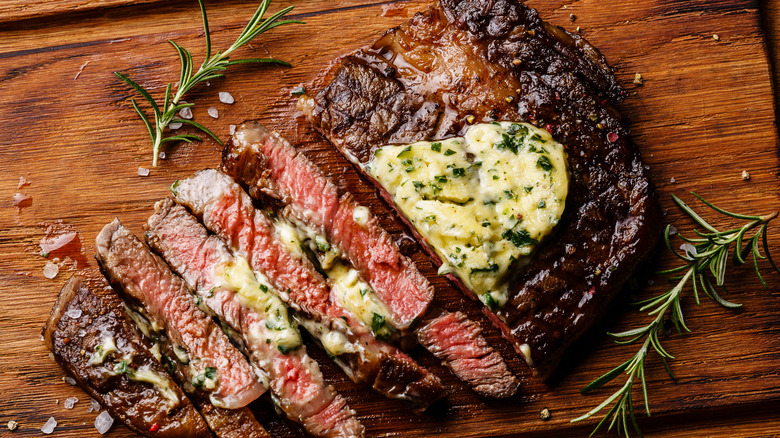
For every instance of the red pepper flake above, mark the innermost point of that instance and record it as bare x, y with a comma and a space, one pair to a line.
154, 427
612, 137
548, 127
557, 96
592, 291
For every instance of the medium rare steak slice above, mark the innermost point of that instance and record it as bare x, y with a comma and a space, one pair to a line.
117, 369
458, 341
227, 210
216, 366
229, 289
478, 61
267, 164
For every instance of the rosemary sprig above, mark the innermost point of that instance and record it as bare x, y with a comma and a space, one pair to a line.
705, 260
211, 68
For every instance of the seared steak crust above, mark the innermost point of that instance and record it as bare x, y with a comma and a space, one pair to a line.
137, 404
483, 60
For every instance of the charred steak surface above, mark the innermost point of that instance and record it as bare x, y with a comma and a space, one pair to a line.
89, 334
474, 61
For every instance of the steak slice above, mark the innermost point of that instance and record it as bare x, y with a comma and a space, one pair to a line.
483, 60
268, 165
293, 377
458, 341
108, 337
227, 210
215, 364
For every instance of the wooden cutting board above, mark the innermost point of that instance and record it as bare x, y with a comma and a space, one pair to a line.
703, 115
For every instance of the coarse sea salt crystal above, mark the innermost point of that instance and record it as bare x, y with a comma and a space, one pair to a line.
232, 129
161, 155
213, 112
74, 313
103, 422
226, 97
185, 113
94, 406
70, 381
142, 171
70, 402
672, 230
176, 125
689, 250
50, 270
48, 428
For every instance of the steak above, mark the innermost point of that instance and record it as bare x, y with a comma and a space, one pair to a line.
83, 321
216, 366
473, 61
458, 341
269, 166
227, 210
293, 377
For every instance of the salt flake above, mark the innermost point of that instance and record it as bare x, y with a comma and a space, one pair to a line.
226, 97
94, 406
213, 112
185, 113
74, 313
176, 125
48, 428
103, 422
70, 402
142, 171
689, 250
70, 381
50, 270
232, 129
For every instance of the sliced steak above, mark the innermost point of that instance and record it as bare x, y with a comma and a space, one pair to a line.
269, 165
458, 341
83, 321
484, 60
144, 277
227, 210
293, 377
231, 423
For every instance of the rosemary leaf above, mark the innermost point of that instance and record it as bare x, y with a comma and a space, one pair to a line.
212, 67
707, 266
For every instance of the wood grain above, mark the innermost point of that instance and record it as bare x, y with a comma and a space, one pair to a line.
704, 114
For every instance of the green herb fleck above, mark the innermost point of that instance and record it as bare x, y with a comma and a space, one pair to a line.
544, 163
519, 238
436, 146
298, 91
458, 172
449, 152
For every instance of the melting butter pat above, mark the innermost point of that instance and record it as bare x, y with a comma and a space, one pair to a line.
483, 201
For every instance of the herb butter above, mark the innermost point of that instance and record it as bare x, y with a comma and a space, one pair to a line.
349, 290
483, 201
253, 290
